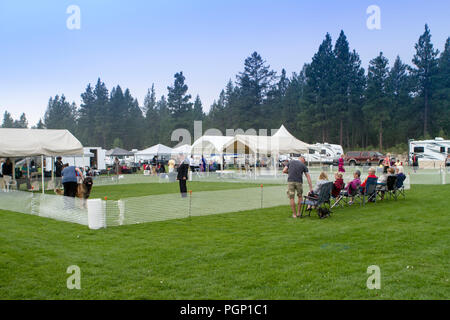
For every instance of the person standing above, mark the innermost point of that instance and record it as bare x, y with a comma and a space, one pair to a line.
182, 176
7, 172
415, 162
69, 180
295, 170
58, 167
341, 164
386, 162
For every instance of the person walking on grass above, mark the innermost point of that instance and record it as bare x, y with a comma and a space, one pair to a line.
295, 170
182, 176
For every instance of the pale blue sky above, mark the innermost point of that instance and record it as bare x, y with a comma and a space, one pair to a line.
137, 43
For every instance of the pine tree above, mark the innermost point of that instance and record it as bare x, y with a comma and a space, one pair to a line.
60, 114
178, 100
441, 92
22, 122
378, 102
198, 109
425, 68
8, 121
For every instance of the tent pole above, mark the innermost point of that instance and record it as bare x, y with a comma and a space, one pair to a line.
42, 174
53, 172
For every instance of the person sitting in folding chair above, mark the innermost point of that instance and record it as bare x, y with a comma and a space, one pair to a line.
391, 186
369, 187
338, 185
314, 193
319, 201
382, 182
352, 188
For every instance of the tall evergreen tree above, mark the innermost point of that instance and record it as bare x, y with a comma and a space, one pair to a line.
60, 114
8, 121
178, 100
378, 103
441, 93
425, 62
198, 109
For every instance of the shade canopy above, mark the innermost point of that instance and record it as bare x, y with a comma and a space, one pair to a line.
184, 149
119, 152
155, 150
37, 142
210, 144
282, 142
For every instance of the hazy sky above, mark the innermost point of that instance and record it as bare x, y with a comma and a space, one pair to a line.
137, 43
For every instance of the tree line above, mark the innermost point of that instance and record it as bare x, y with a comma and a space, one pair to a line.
331, 99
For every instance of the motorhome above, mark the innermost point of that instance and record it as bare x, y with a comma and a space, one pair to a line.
324, 153
429, 150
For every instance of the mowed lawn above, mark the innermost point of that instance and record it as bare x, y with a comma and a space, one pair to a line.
121, 191
260, 254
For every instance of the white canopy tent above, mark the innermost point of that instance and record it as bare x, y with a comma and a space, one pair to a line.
20, 143
37, 142
184, 149
282, 142
155, 150
210, 145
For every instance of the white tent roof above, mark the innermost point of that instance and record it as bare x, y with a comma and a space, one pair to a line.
284, 142
184, 149
210, 144
155, 150
281, 142
36, 142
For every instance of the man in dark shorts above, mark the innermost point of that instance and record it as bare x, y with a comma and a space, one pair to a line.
295, 170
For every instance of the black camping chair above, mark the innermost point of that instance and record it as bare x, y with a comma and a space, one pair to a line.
391, 185
322, 200
370, 191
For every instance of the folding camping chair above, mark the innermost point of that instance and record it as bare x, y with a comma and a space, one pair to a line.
338, 201
370, 190
391, 185
321, 201
399, 186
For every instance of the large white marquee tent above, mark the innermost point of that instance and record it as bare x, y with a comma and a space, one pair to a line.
21, 143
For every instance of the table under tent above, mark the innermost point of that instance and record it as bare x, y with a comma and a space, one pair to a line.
19, 144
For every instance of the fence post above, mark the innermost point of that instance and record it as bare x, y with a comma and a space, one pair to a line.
261, 196
190, 203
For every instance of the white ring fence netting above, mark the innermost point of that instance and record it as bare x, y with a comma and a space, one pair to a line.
99, 213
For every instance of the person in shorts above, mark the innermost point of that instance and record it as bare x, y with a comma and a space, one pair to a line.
295, 170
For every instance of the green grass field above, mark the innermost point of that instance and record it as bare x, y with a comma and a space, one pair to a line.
260, 254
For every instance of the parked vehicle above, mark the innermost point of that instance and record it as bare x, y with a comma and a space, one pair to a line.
354, 158
429, 150
325, 153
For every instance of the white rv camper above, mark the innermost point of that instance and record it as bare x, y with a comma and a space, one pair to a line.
324, 153
429, 150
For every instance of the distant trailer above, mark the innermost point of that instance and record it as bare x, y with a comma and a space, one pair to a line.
429, 150
326, 153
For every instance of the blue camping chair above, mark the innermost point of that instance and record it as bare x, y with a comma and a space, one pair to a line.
370, 191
